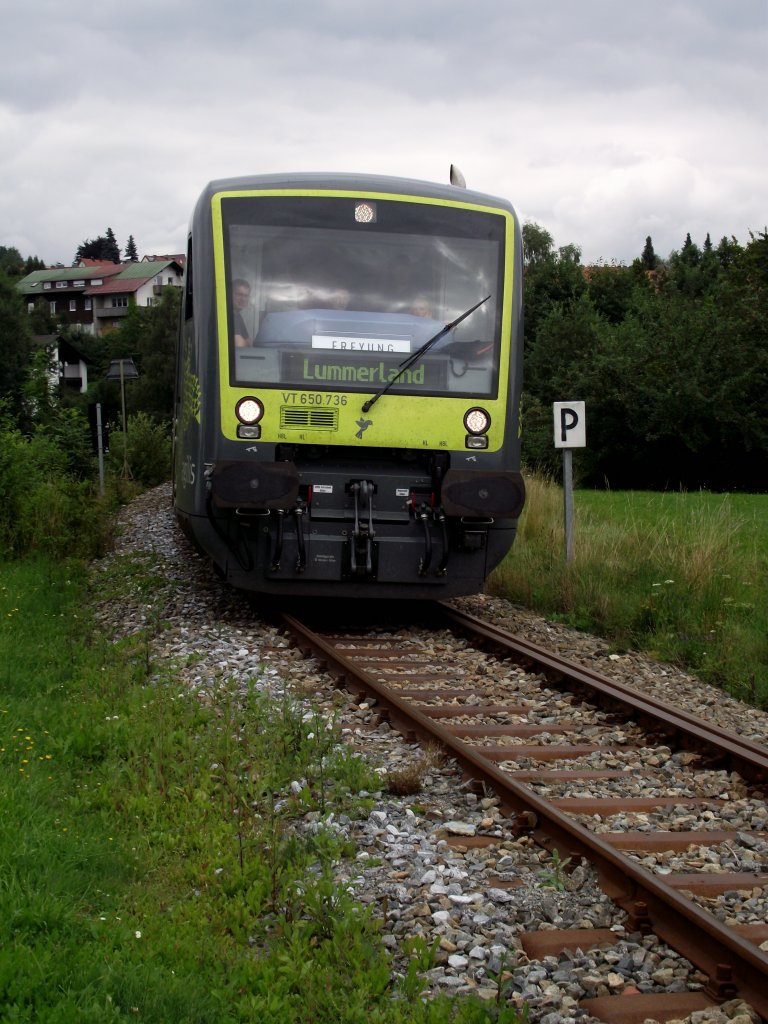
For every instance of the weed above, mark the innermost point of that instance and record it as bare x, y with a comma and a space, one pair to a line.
553, 875
409, 779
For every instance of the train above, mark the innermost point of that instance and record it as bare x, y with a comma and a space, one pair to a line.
349, 364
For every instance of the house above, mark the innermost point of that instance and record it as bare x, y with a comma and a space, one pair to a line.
72, 367
94, 295
65, 289
68, 368
180, 258
137, 284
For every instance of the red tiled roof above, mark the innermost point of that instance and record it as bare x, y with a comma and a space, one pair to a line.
180, 258
119, 284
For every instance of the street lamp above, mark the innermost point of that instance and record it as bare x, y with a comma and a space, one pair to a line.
123, 370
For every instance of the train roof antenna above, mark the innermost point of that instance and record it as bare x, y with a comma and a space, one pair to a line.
457, 178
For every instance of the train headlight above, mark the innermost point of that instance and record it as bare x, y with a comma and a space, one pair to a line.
249, 411
365, 213
477, 421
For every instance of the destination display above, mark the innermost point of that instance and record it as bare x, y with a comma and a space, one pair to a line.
332, 368
343, 343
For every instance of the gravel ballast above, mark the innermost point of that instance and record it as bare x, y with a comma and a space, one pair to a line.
474, 902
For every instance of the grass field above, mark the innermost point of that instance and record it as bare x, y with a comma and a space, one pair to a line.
151, 867
682, 576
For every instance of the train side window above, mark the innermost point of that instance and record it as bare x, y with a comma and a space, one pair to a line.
188, 304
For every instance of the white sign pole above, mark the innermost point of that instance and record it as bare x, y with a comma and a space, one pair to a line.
568, 501
570, 432
100, 448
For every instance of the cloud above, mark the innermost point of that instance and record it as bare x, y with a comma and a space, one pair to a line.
604, 122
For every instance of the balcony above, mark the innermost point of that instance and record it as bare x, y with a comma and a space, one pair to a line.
109, 312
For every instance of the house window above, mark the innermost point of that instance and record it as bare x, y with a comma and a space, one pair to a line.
150, 300
46, 284
30, 307
53, 307
119, 300
62, 284
87, 303
78, 284
72, 305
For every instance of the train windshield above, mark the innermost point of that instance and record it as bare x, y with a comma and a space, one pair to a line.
339, 293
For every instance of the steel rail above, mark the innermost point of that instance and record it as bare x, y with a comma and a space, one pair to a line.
731, 963
748, 758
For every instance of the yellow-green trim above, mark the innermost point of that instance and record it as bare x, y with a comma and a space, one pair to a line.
402, 419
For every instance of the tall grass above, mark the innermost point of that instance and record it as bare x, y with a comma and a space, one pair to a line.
678, 575
46, 507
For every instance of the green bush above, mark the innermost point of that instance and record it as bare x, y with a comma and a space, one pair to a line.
45, 508
149, 450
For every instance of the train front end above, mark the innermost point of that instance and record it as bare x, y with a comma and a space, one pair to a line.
348, 386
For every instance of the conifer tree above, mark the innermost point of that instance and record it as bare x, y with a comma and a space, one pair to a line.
648, 257
111, 249
131, 253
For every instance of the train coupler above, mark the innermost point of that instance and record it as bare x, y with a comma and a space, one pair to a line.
423, 516
299, 511
361, 545
427, 515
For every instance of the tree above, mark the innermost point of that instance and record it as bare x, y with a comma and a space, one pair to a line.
148, 335
33, 263
15, 347
550, 277
538, 244
690, 254
611, 289
648, 257
111, 248
727, 250
41, 321
104, 247
693, 272
11, 261
131, 253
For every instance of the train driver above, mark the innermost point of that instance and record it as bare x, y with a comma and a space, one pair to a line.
241, 299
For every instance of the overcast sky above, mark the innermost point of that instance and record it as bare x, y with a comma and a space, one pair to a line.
603, 121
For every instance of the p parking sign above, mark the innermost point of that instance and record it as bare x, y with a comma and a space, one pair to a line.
570, 424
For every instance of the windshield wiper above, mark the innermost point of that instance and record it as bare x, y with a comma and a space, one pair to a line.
406, 363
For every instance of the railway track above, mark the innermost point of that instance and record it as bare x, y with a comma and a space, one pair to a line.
537, 764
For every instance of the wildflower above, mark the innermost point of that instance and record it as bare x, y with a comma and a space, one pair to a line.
137, 934
669, 581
